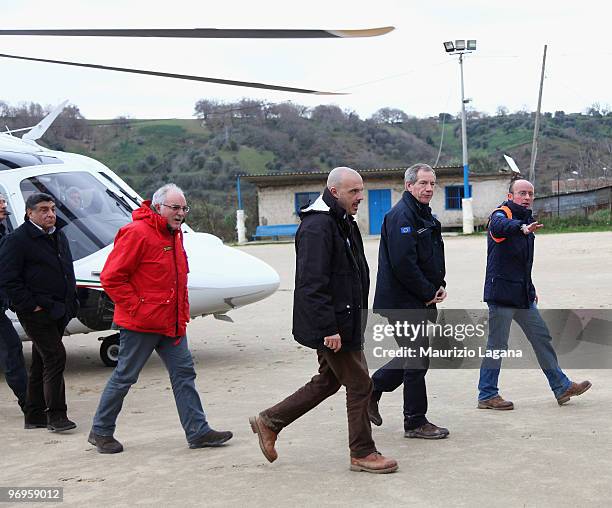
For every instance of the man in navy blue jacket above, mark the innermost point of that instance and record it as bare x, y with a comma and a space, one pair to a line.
410, 281
511, 295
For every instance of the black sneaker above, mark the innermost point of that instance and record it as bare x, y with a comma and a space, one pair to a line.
427, 431
105, 444
212, 438
61, 425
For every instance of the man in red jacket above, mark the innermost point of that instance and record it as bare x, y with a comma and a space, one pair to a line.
146, 277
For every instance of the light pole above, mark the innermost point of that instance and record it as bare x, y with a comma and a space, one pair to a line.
460, 48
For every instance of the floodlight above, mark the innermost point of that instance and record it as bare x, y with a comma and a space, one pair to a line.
471, 44
449, 46
460, 45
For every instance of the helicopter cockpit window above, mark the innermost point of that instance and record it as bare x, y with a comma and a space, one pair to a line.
92, 213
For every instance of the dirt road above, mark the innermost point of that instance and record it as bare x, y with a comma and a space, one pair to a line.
538, 455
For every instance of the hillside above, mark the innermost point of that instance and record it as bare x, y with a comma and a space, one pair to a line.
205, 155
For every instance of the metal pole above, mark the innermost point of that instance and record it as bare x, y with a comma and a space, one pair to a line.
466, 178
240, 218
558, 195
536, 128
466, 202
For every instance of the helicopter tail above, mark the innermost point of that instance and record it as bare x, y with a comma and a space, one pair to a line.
41, 127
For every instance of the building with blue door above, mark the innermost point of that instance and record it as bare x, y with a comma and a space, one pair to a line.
281, 195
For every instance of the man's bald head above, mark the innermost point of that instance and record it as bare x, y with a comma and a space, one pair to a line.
336, 176
346, 185
521, 192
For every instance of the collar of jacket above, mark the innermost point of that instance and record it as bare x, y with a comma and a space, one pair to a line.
2, 230
147, 214
519, 212
416, 205
36, 231
334, 206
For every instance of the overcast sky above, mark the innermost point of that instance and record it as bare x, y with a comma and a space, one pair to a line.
406, 69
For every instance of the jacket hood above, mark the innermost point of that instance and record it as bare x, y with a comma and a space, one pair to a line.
319, 206
147, 214
326, 203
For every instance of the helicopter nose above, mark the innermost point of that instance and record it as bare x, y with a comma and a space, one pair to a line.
222, 278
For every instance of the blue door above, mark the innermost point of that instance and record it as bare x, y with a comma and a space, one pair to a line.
379, 204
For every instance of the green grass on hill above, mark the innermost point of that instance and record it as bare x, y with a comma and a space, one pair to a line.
254, 160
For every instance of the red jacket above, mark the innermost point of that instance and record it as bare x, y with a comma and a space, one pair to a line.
146, 276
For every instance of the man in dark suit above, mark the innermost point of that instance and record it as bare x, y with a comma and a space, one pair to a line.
38, 278
11, 350
410, 282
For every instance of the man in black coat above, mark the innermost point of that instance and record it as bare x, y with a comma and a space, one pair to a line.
331, 289
411, 273
11, 350
511, 296
38, 278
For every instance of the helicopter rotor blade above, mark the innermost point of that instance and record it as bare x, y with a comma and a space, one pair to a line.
219, 81
207, 33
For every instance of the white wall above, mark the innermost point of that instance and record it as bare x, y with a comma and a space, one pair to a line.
276, 204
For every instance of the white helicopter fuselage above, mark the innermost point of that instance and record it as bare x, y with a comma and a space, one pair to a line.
221, 278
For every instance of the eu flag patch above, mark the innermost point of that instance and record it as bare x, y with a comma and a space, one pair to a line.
405, 230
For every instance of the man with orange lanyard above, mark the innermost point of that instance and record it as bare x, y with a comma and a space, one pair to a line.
146, 277
511, 295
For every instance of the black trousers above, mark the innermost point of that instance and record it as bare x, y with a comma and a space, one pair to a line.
411, 372
11, 359
46, 391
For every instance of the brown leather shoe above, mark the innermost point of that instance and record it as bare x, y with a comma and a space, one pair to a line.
574, 390
374, 463
496, 403
267, 438
428, 431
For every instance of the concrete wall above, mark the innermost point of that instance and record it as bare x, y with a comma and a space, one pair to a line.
574, 203
276, 204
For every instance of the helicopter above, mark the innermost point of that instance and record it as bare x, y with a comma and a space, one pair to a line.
94, 202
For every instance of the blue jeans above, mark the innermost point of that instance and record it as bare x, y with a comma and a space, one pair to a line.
536, 331
11, 359
135, 348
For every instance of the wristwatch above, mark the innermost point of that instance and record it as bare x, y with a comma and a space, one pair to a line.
525, 229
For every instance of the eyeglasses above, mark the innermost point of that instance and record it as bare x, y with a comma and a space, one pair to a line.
176, 208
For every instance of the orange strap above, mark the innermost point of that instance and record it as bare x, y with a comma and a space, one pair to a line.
508, 213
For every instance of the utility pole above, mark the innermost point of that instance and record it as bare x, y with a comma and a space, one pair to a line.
536, 128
